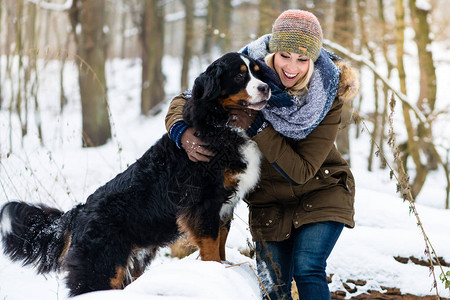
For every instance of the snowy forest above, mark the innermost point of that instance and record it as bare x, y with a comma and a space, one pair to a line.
85, 85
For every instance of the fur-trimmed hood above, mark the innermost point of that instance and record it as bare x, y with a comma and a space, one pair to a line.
348, 81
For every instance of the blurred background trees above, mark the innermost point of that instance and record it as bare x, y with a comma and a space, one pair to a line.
398, 36
88, 19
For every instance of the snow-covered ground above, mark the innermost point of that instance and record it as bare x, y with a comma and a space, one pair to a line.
61, 173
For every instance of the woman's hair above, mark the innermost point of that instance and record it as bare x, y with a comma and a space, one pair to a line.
302, 85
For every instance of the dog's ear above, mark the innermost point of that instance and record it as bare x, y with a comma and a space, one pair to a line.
204, 105
207, 84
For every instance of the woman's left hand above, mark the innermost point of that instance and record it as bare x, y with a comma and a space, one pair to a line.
242, 118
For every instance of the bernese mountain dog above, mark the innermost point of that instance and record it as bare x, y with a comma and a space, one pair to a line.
110, 239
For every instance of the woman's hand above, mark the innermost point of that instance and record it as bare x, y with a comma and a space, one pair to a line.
195, 148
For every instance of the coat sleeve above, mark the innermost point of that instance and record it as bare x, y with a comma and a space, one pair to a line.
299, 161
175, 112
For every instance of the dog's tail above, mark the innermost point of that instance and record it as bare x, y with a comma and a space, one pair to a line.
34, 234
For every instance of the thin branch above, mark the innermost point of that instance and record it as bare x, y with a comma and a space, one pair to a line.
402, 180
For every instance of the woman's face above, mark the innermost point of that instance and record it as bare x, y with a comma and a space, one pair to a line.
290, 67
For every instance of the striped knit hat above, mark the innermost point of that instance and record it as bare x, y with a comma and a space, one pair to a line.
297, 31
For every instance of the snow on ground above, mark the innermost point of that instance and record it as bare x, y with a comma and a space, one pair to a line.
191, 278
61, 173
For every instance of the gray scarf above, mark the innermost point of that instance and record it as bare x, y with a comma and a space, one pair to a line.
297, 119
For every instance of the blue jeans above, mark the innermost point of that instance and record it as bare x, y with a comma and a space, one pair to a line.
303, 257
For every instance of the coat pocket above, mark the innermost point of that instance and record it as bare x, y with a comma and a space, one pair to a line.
335, 200
329, 176
265, 221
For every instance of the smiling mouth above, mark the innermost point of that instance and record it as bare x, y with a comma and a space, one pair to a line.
289, 75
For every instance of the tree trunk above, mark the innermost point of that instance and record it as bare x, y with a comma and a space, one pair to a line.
218, 23
19, 47
384, 46
152, 40
223, 16
412, 148
343, 34
427, 95
123, 24
91, 48
64, 54
209, 31
8, 74
361, 9
269, 10
1, 50
33, 35
188, 42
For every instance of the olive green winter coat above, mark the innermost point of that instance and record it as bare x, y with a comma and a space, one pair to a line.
302, 181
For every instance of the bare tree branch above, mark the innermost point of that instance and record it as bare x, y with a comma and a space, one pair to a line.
370, 65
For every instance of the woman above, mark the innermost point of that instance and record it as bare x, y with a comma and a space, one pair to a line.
306, 191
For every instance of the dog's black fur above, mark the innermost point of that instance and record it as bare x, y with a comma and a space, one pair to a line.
116, 233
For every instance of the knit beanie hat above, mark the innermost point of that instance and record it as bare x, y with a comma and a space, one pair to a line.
297, 31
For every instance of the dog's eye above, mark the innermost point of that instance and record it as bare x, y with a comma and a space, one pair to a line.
239, 77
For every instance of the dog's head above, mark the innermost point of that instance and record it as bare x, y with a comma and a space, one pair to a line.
232, 81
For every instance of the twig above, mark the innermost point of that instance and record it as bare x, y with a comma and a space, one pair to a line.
404, 188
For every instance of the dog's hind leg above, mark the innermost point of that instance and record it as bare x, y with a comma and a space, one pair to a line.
93, 267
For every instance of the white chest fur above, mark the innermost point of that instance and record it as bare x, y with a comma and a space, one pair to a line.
248, 179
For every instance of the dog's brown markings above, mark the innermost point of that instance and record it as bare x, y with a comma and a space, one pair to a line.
230, 181
233, 100
117, 281
67, 241
223, 234
208, 246
182, 224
